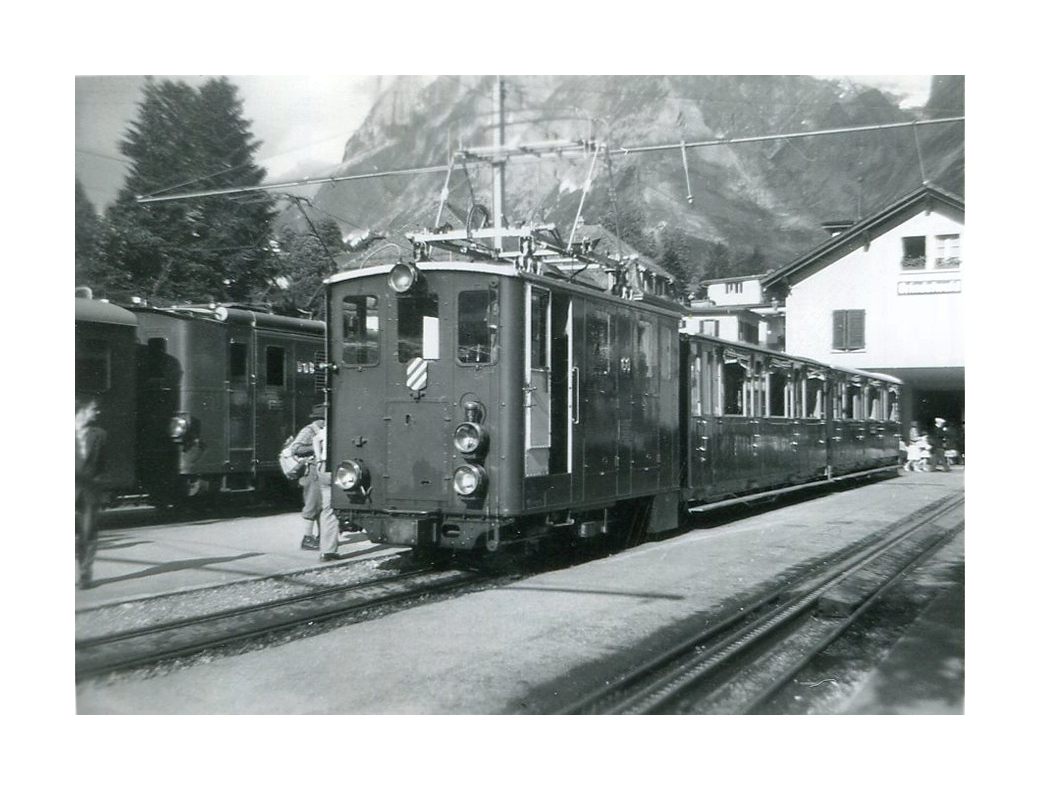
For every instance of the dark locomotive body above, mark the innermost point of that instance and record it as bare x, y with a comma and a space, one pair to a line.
106, 348
480, 402
197, 399
555, 387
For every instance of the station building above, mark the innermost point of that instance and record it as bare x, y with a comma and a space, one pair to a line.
885, 294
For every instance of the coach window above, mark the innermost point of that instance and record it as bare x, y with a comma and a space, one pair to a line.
360, 330
872, 400
238, 363
734, 379
893, 404
778, 381
477, 341
274, 367
93, 366
814, 396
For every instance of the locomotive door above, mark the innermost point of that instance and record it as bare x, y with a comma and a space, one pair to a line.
538, 383
598, 406
241, 394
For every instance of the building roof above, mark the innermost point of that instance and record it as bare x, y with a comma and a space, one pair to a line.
743, 278
863, 231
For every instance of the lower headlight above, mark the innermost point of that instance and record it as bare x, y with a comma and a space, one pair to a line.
351, 475
179, 427
470, 480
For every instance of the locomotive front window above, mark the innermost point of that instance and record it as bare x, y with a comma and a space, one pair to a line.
417, 326
477, 328
360, 330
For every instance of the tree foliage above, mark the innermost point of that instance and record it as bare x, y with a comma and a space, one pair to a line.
200, 249
304, 259
88, 236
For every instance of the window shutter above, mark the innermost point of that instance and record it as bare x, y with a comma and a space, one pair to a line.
839, 330
857, 322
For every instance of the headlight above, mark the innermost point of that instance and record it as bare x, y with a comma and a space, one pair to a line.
470, 438
470, 480
179, 427
402, 277
351, 475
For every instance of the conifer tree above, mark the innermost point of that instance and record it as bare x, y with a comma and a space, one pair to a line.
199, 249
88, 236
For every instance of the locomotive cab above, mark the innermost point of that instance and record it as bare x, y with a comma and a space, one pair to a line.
475, 403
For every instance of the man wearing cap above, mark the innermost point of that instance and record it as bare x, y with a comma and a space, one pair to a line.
303, 447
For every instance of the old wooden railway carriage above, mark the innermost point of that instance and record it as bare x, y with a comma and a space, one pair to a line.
514, 388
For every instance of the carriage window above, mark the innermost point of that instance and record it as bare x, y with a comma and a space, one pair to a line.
645, 350
853, 407
667, 356
274, 369
873, 403
93, 366
893, 405
360, 330
417, 327
733, 377
777, 394
478, 328
238, 362
598, 332
814, 398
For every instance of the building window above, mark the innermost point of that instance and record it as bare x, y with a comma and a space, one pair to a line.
849, 330
734, 288
948, 251
710, 327
913, 252
747, 333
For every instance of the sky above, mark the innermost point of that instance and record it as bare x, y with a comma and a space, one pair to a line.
303, 122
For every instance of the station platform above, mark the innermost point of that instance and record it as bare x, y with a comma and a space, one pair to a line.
138, 558
923, 672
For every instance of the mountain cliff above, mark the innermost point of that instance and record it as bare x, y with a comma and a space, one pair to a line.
752, 206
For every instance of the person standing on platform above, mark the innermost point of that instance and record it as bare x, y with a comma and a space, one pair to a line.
940, 438
303, 447
327, 520
90, 464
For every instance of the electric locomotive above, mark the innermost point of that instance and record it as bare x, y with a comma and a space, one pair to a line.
509, 389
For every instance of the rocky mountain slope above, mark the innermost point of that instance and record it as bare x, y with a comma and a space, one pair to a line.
760, 202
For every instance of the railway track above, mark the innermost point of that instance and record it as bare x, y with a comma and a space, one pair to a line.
739, 664
187, 636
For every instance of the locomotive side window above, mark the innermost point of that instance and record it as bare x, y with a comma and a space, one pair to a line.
477, 341
360, 330
155, 360
93, 365
540, 329
417, 326
598, 331
274, 367
238, 362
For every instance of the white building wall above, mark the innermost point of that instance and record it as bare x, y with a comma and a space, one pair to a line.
750, 293
914, 318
